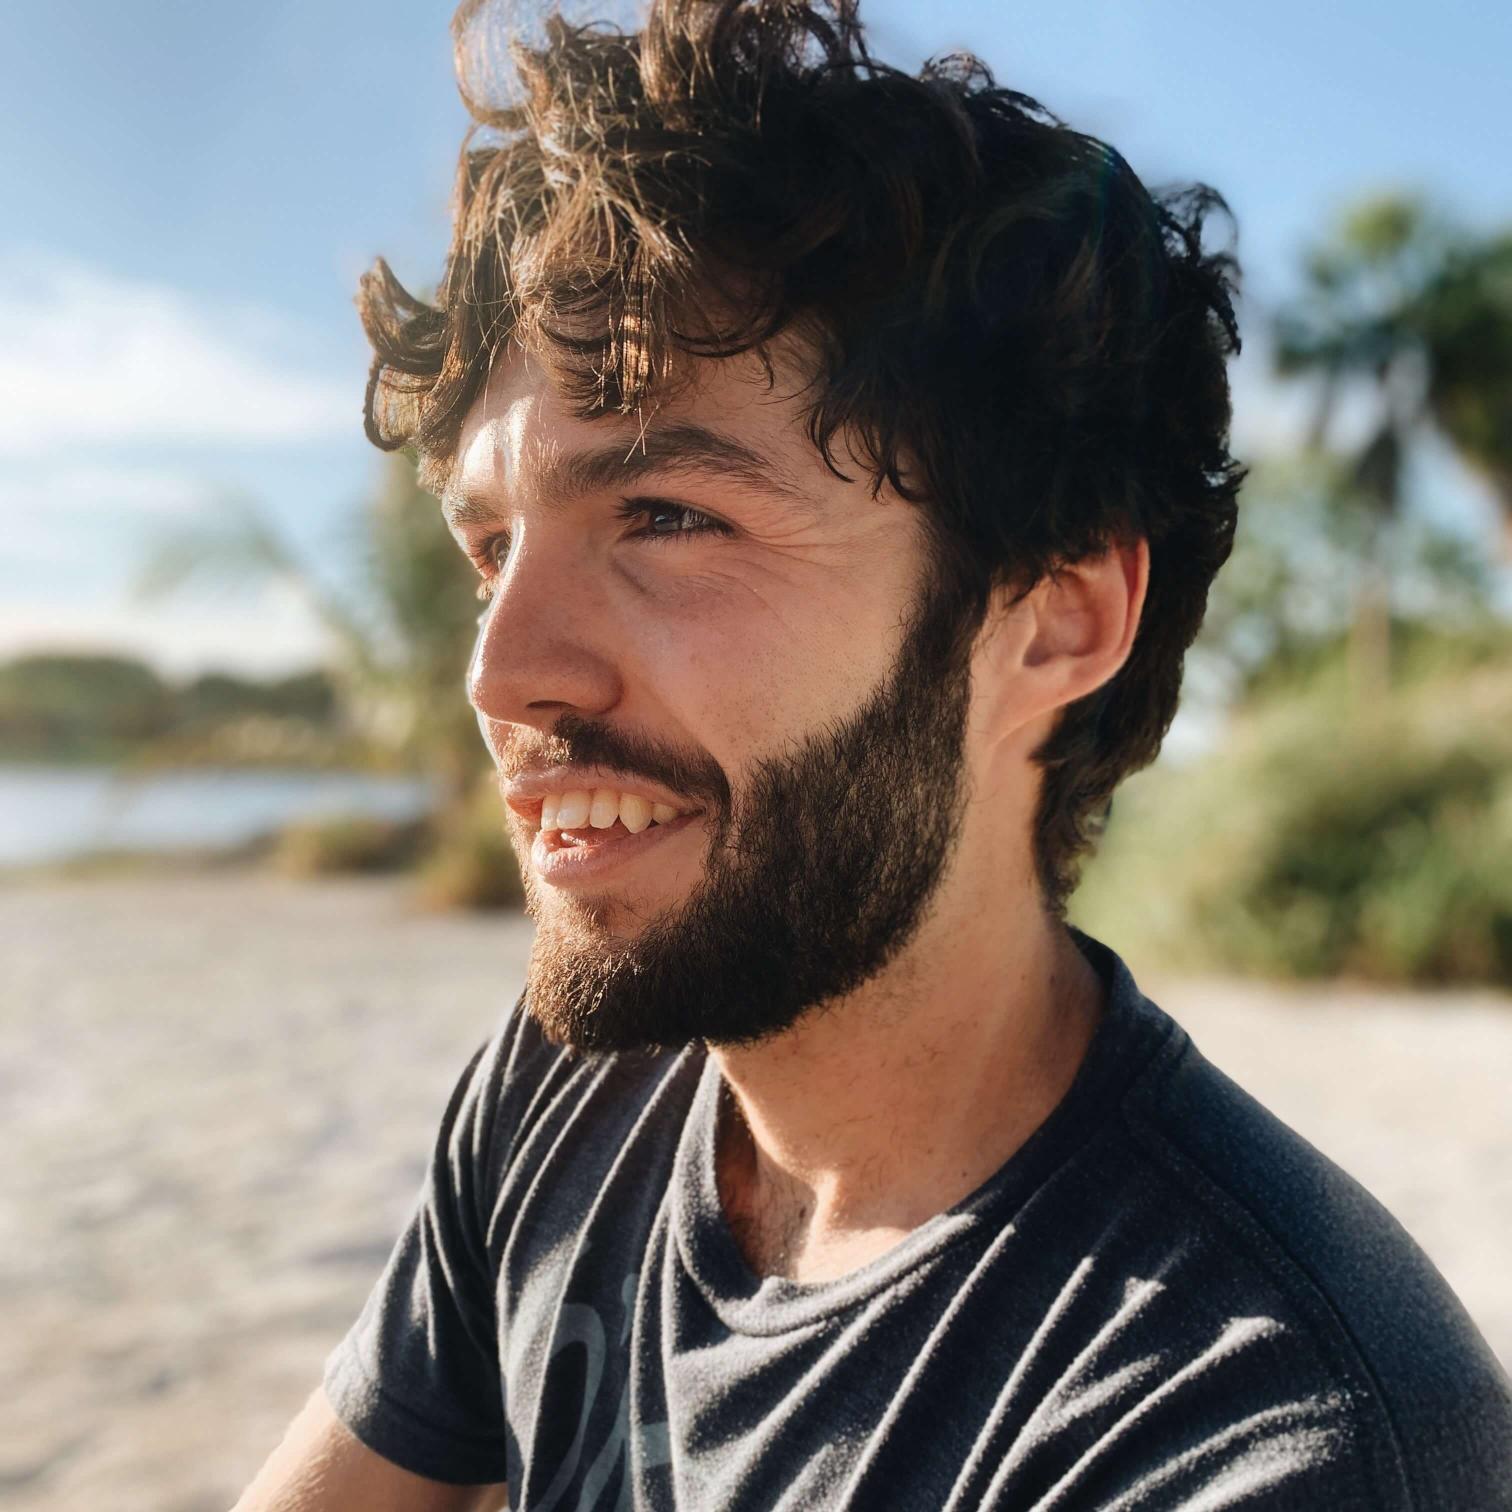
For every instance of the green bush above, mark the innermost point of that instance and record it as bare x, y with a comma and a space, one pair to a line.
330, 847
1319, 842
65, 706
472, 863
460, 858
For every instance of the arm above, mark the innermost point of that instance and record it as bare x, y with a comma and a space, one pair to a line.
321, 1467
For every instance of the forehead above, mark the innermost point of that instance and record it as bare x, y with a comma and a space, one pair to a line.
522, 431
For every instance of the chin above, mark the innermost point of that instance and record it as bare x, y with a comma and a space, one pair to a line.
624, 908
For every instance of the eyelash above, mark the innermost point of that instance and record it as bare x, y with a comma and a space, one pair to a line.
629, 509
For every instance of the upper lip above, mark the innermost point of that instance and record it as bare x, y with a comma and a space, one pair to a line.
524, 793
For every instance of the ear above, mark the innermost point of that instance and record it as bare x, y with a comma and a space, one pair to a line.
1064, 639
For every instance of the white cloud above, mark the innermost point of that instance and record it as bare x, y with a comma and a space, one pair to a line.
29, 489
262, 635
56, 517
90, 359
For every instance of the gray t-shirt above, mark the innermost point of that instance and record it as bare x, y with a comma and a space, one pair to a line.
1164, 1299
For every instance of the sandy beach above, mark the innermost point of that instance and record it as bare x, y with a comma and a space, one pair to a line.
219, 1092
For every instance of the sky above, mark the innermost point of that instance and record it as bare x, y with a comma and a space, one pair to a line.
192, 187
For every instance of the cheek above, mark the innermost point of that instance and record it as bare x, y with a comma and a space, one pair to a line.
741, 687
729, 682
766, 649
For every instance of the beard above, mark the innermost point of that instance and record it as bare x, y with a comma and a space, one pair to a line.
816, 879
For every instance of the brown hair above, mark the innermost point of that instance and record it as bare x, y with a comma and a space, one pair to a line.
1007, 326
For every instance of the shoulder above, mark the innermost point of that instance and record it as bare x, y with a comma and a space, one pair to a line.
1396, 1337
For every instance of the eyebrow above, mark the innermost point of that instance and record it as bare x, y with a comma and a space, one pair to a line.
678, 448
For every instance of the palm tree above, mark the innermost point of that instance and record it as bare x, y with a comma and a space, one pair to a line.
1421, 315
401, 637
1467, 331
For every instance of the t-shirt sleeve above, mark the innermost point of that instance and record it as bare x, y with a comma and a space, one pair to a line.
417, 1377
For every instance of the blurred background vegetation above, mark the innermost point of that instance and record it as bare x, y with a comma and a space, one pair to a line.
1355, 819
1354, 808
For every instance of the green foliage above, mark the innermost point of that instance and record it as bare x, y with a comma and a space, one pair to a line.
1467, 326
461, 857
215, 696
472, 863
420, 617
1419, 311
401, 635
56, 707
328, 847
73, 707
1304, 553
1377, 846
1404, 310
1358, 818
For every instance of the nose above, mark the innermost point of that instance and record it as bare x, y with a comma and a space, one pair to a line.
542, 643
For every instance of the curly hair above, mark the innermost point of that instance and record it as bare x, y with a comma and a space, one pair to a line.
1005, 325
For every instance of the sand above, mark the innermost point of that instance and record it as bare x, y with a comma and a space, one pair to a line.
219, 1091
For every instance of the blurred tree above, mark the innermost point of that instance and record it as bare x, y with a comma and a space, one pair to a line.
103, 708
402, 634
215, 696
422, 636
71, 707
1421, 314
1291, 588
1467, 331
1377, 848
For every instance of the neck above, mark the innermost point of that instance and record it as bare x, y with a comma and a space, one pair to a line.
894, 1103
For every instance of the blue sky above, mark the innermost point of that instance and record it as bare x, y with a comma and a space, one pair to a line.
192, 188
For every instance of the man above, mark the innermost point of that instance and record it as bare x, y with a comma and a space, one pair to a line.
843, 456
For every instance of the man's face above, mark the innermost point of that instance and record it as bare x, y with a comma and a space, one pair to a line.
698, 613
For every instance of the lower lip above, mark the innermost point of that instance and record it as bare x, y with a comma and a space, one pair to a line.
569, 865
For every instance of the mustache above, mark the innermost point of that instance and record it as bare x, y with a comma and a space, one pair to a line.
579, 741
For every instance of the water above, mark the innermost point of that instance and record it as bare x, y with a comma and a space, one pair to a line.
52, 813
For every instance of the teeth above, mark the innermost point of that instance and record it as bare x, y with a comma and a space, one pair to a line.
634, 812
573, 809
600, 808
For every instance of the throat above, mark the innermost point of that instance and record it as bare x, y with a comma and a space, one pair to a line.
774, 1223
767, 1232
771, 1235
